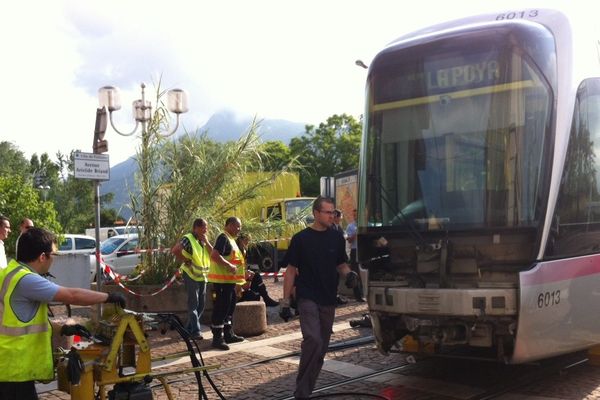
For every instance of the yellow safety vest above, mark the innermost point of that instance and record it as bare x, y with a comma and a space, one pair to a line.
200, 259
221, 274
25, 346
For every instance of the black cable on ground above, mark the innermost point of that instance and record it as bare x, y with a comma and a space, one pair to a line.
176, 323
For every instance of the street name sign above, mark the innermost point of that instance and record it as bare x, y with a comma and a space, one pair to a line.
92, 166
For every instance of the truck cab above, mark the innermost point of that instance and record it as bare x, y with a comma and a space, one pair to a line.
269, 255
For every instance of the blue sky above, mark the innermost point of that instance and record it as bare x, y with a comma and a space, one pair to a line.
273, 59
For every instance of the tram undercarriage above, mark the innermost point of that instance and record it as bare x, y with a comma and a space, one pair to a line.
448, 295
438, 334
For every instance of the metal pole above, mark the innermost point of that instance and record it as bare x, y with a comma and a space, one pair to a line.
97, 224
99, 146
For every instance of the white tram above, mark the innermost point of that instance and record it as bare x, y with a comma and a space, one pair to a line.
479, 210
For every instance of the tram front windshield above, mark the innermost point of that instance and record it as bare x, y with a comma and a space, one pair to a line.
456, 133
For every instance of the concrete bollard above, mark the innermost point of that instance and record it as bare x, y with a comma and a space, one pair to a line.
250, 318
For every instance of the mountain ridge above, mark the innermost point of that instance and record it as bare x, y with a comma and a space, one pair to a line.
222, 126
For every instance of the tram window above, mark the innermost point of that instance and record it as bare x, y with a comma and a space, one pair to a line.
577, 217
463, 152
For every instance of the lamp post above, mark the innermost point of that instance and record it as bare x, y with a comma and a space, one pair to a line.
109, 98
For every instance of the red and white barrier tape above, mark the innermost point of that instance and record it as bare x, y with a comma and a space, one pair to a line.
118, 279
139, 250
122, 278
273, 240
161, 249
271, 274
109, 271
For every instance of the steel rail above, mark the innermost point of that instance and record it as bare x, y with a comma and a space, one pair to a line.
355, 379
546, 369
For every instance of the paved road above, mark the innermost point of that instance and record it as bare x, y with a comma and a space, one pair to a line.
427, 380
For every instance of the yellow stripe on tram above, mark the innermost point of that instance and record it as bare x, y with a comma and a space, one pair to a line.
505, 87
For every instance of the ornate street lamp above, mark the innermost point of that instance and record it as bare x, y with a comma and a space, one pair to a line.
177, 103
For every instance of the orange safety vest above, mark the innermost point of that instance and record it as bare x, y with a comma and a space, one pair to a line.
221, 274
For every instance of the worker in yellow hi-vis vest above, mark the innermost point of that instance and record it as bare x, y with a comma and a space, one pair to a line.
227, 270
193, 250
25, 332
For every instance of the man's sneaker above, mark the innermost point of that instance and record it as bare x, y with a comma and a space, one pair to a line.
340, 301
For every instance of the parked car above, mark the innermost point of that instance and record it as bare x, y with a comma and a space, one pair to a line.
110, 231
120, 253
77, 244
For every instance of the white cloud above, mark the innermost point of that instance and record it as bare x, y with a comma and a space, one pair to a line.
276, 59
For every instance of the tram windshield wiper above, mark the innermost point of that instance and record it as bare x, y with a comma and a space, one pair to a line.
412, 230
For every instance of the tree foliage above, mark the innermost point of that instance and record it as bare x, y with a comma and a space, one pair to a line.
13, 161
325, 150
277, 155
18, 200
45, 172
71, 200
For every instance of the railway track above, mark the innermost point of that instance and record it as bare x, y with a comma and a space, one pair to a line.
545, 370
353, 380
534, 373
332, 347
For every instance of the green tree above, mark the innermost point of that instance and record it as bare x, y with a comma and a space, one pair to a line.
70, 200
13, 161
325, 150
44, 171
18, 199
277, 155
108, 216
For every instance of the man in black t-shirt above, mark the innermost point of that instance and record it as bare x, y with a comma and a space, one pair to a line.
315, 257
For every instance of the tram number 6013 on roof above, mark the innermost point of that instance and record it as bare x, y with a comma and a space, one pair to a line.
517, 15
548, 299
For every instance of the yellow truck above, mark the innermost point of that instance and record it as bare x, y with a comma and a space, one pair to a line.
280, 211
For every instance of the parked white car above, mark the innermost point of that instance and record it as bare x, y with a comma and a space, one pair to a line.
77, 244
120, 253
